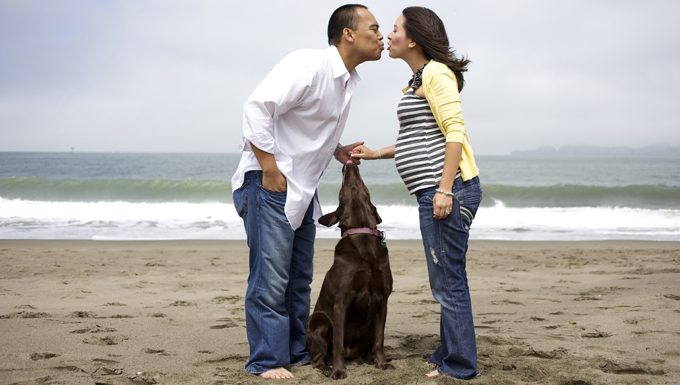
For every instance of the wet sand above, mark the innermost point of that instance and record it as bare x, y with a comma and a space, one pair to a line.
171, 312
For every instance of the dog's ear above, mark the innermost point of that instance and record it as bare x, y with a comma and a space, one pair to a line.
375, 213
330, 219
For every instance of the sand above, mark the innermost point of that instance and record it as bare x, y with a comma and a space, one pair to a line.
171, 312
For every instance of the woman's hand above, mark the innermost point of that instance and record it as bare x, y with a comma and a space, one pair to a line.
441, 206
363, 152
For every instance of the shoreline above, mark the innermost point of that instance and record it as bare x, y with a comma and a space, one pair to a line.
171, 311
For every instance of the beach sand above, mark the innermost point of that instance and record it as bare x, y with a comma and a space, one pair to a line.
171, 312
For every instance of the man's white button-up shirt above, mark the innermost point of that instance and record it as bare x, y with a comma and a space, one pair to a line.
298, 113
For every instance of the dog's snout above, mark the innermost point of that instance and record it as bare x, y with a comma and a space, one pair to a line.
350, 168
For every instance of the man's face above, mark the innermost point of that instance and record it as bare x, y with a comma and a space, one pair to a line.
367, 37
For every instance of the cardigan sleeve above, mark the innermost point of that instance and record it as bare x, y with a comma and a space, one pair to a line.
441, 91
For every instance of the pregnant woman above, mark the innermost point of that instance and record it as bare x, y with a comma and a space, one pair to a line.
435, 160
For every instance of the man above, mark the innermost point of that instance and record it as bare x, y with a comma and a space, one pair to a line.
292, 124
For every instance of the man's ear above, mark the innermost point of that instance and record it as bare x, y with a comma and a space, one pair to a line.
330, 219
347, 34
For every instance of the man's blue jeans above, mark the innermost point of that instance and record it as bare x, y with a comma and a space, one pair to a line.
278, 293
446, 243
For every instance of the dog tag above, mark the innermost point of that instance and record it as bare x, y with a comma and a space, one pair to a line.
383, 238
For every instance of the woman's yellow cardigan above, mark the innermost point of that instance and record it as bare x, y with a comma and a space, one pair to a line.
441, 91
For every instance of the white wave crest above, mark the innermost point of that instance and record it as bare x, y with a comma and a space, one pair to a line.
21, 219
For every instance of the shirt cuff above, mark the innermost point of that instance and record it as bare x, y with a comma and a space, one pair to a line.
455, 137
263, 141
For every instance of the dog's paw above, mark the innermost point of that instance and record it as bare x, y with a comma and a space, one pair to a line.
319, 364
339, 374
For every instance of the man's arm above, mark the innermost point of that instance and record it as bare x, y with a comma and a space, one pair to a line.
282, 89
272, 179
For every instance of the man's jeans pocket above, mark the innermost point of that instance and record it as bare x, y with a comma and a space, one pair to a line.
240, 199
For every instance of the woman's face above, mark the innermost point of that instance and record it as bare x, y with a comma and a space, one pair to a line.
397, 41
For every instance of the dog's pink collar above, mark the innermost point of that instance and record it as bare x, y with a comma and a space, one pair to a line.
363, 230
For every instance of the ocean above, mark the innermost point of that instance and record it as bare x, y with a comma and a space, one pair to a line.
153, 196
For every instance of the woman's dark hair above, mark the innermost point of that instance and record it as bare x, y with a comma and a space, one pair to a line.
427, 30
343, 17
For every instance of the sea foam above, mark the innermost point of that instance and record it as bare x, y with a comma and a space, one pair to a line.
24, 219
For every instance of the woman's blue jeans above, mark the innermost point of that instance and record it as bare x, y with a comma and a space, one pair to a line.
278, 294
446, 243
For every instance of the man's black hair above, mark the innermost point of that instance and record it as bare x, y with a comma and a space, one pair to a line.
343, 17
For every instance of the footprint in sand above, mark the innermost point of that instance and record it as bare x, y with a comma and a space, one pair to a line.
506, 302
114, 304
587, 298
119, 316
105, 371
531, 352
230, 358
596, 334
43, 356
182, 303
635, 321
227, 373
160, 352
419, 342
228, 323
494, 340
105, 341
93, 329
105, 361
70, 368
609, 366
491, 322
147, 378
230, 299
237, 310
426, 315
36, 381
25, 314
83, 314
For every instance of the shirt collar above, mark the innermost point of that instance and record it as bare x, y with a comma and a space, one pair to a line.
339, 69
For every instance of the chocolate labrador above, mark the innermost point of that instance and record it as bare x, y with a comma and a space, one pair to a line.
348, 321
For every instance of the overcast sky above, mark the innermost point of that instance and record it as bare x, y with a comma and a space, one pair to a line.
171, 75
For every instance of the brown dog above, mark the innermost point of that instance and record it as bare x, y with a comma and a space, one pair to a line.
349, 317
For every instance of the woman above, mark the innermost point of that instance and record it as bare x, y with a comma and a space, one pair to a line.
434, 159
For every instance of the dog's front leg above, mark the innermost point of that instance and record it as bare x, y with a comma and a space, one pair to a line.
339, 318
379, 333
318, 338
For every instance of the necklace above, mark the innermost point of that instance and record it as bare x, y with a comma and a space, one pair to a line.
417, 79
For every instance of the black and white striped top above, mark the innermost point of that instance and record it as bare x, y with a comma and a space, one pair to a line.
419, 151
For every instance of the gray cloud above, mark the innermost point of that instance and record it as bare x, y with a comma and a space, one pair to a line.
173, 75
